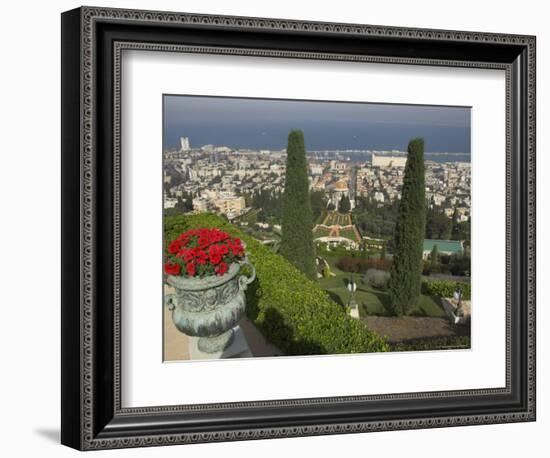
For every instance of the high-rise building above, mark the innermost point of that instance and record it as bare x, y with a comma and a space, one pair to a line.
184, 144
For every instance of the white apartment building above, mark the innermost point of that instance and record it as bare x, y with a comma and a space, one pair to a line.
388, 161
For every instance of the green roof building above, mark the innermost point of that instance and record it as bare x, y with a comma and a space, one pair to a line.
448, 247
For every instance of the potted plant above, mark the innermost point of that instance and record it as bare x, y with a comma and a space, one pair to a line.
204, 266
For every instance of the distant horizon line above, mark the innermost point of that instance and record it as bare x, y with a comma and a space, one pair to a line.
344, 150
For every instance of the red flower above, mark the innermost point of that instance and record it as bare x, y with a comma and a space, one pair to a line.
215, 254
183, 238
236, 247
200, 254
174, 246
204, 242
221, 268
186, 254
212, 250
191, 269
172, 268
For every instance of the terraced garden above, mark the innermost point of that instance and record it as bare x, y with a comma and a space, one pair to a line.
350, 233
337, 219
371, 301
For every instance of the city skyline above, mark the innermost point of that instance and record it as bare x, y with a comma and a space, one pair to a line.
265, 123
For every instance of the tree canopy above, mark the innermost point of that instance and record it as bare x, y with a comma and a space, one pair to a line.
297, 222
406, 271
344, 206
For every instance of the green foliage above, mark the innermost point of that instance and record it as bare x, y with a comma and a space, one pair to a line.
373, 218
377, 278
338, 250
297, 225
460, 265
344, 206
326, 271
383, 251
268, 202
348, 234
438, 225
290, 310
321, 231
406, 271
434, 256
261, 217
446, 288
337, 219
318, 205
185, 202
461, 231
437, 343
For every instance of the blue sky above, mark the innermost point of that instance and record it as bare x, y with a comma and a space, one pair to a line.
265, 123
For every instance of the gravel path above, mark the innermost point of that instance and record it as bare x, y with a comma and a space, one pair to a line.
398, 329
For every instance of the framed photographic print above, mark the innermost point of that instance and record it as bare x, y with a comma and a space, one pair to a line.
279, 228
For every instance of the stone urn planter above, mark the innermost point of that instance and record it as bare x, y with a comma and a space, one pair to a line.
209, 307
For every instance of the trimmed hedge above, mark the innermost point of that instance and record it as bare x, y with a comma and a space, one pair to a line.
433, 343
290, 310
361, 265
446, 288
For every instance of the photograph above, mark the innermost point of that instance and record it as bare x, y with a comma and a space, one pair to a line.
314, 227
279, 221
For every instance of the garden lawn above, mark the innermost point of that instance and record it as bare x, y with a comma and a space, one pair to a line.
371, 301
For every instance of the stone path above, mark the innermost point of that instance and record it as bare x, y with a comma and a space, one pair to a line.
256, 341
176, 344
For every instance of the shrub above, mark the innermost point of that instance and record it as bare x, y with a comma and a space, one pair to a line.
460, 265
290, 310
326, 271
380, 264
428, 268
446, 288
352, 264
433, 343
378, 278
361, 265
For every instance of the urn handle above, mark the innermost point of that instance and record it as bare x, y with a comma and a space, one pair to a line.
170, 301
244, 281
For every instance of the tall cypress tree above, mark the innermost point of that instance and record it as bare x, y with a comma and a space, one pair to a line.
345, 205
297, 225
406, 270
434, 256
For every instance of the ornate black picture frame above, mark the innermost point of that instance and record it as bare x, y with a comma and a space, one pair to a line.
92, 42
